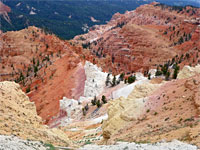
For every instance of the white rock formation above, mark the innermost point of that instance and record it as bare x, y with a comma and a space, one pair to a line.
15, 143
72, 108
152, 72
174, 145
125, 91
95, 80
188, 71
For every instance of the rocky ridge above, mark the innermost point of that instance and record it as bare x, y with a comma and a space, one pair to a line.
4, 10
152, 34
19, 117
61, 83
43, 65
169, 112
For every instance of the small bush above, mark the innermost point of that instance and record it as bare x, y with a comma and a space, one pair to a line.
88, 142
28, 89
131, 79
49, 146
159, 73
155, 113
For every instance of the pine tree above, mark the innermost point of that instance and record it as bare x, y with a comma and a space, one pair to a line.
38, 62
121, 77
98, 103
180, 41
114, 81
107, 79
33, 60
167, 76
84, 112
176, 69
131, 79
28, 89
125, 81
158, 72
104, 99
149, 76
86, 107
94, 101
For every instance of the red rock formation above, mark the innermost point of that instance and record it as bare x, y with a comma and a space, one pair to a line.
46, 65
135, 41
4, 10
144, 38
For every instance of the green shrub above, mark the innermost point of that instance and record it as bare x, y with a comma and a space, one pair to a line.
131, 79
49, 146
159, 73
28, 89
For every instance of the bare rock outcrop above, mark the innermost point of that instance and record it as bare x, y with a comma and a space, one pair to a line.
4, 10
139, 40
170, 112
19, 117
46, 67
122, 111
188, 71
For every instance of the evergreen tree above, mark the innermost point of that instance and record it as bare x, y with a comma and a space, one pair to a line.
167, 76
84, 112
21, 78
165, 69
121, 77
125, 81
158, 72
98, 103
114, 81
131, 79
28, 89
107, 79
35, 69
86, 107
94, 101
33, 60
38, 62
176, 69
149, 76
104, 99
180, 41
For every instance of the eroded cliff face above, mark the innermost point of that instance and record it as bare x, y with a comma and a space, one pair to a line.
121, 111
188, 71
170, 111
19, 117
4, 10
46, 67
50, 69
138, 40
